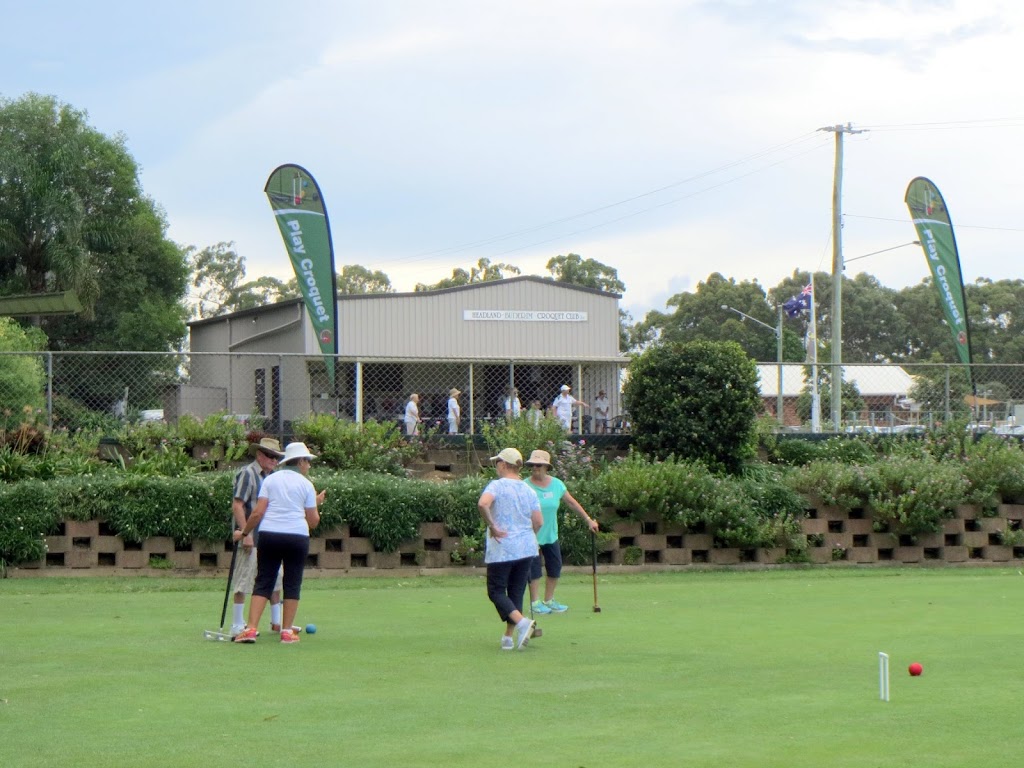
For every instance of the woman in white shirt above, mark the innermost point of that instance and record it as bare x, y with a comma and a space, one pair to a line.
511, 511
285, 512
412, 415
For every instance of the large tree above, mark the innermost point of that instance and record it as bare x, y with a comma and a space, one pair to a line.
67, 193
219, 285
700, 316
573, 268
353, 279
73, 217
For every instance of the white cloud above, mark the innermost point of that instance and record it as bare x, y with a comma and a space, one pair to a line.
433, 126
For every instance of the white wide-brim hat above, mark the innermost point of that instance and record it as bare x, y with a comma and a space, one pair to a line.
294, 451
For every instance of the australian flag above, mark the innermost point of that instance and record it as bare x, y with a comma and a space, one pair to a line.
798, 304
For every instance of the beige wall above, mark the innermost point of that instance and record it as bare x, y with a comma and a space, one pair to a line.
432, 325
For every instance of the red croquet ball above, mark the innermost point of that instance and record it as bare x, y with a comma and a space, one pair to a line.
915, 669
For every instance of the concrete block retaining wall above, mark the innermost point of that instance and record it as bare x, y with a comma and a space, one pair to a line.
834, 536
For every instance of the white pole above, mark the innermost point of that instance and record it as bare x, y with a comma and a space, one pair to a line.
815, 396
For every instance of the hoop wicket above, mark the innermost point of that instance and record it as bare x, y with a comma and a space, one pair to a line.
883, 676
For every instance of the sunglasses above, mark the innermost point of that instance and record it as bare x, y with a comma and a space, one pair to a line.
270, 456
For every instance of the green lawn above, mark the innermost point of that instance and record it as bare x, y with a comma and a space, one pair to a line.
775, 668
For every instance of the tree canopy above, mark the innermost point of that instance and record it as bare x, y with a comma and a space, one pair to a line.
574, 269
73, 217
483, 272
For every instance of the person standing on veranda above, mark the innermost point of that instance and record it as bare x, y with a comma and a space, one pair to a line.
511, 512
563, 405
601, 410
286, 511
412, 416
512, 405
552, 492
534, 414
454, 411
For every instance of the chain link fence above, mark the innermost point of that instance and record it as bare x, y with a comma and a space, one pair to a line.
99, 389
90, 389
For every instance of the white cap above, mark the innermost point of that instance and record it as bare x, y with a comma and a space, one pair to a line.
509, 456
565, 388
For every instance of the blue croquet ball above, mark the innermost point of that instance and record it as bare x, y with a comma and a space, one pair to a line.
311, 629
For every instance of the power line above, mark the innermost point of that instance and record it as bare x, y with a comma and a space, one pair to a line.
958, 226
655, 207
528, 230
999, 122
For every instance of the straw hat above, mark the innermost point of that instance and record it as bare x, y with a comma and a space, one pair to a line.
294, 451
266, 445
453, 392
539, 457
509, 456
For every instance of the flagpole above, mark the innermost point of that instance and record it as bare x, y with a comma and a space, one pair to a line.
815, 397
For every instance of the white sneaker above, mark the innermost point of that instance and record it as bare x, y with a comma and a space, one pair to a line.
236, 629
524, 630
507, 643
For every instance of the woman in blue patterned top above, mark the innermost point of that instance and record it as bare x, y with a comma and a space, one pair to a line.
511, 511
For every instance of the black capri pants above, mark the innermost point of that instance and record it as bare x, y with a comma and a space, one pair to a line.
273, 551
506, 584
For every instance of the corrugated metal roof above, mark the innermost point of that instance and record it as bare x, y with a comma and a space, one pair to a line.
870, 380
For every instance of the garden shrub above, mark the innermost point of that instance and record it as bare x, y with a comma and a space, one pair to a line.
916, 495
855, 450
524, 436
795, 452
994, 471
385, 509
743, 513
697, 400
29, 511
459, 512
374, 446
837, 484
666, 489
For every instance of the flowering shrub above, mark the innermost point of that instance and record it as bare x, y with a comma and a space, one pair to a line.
915, 495
28, 512
994, 470
667, 489
525, 437
374, 446
837, 484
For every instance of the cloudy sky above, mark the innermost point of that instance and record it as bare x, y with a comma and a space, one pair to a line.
666, 139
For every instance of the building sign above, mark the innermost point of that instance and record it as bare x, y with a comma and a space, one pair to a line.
524, 316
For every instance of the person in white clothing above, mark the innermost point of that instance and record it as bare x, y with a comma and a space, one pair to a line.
512, 405
563, 405
601, 409
511, 511
412, 416
535, 414
285, 512
454, 411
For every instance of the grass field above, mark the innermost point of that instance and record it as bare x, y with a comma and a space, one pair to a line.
774, 668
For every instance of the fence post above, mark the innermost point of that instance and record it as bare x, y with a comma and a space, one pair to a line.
947, 394
472, 421
579, 392
359, 392
49, 390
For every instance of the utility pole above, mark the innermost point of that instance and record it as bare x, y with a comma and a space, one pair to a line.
837, 274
